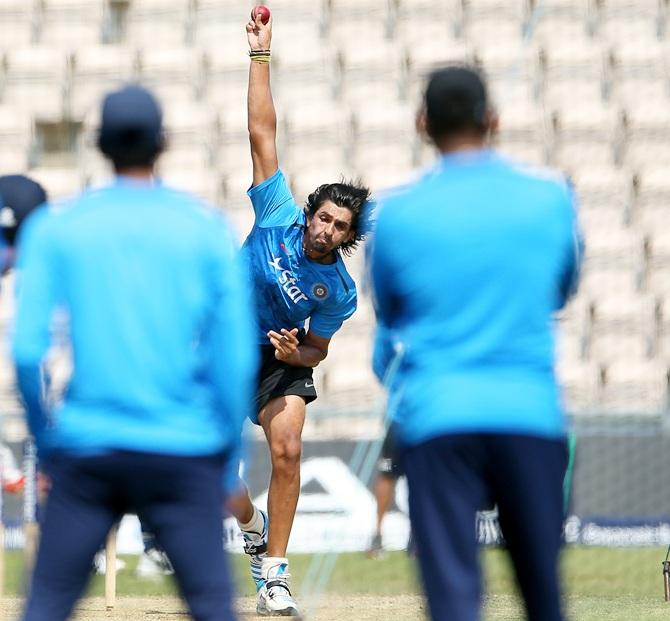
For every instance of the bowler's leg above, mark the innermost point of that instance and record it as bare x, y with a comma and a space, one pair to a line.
282, 420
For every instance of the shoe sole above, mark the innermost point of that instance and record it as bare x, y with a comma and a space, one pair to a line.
288, 612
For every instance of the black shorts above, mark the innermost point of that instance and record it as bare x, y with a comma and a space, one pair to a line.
389, 463
277, 379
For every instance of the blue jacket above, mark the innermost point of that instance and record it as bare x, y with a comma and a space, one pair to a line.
468, 266
159, 323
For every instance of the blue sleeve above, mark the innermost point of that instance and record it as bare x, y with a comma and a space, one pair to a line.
233, 353
382, 346
382, 266
37, 296
329, 318
574, 255
383, 351
273, 202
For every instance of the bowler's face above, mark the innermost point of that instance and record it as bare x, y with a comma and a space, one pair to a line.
327, 229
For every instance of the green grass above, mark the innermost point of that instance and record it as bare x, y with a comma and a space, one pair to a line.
600, 583
353, 573
617, 584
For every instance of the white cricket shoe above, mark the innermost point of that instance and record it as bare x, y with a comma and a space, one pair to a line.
274, 596
154, 563
100, 563
256, 545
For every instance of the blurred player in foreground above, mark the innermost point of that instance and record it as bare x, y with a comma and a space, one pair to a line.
298, 274
163, 368
19, 196
468, 266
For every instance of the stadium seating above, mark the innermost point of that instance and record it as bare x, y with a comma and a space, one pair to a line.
18, 23
68, 23
585, 135
582, 85
629, 20
522, 126
17, 135
172, 73
650, 195
636, 69
348, 365
646, 124
410, 28
574, 73
580, 381
166, 23
96, 70
602, 188
294, 11
300, 77
37, 79
339, 15
325, 127
62, 182
634, 386
369, 74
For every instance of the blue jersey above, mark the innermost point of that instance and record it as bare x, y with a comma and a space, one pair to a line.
289, 287
385, 348
468, 265
163, 353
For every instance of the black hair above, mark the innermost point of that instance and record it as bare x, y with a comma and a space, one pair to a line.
131, 148
456, 102
352, 195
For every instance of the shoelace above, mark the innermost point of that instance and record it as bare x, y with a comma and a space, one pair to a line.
279, 582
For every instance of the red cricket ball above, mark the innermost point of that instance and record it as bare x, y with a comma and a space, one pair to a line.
261, 10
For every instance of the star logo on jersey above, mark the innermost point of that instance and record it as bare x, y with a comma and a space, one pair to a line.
320, 291
288, 281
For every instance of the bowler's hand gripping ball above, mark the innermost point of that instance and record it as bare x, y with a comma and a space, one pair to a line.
261, 10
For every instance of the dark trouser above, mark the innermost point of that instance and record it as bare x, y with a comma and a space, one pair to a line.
179, 498
450, 478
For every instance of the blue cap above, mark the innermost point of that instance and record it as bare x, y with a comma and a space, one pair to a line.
131, 127
19, 196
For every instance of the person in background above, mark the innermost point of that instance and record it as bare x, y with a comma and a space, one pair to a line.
19, 197
386, 350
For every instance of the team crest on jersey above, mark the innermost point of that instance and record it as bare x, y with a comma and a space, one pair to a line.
320, 291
